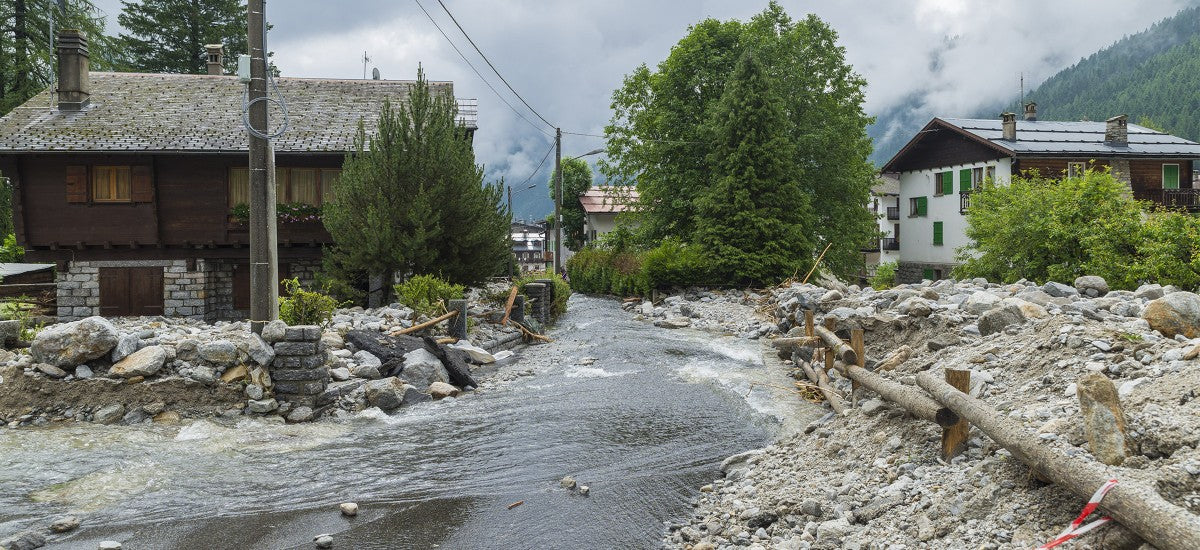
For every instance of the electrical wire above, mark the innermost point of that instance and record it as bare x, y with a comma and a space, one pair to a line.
538, 169
477, 73
639, 139
489, 62
271, 86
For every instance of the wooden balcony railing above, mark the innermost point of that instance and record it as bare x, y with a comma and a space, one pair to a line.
1184, 199
891, 243
893, 212
964, 202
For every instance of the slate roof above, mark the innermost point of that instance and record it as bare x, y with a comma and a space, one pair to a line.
11, 269
173, 112
608, 199
1075, 138
886, 184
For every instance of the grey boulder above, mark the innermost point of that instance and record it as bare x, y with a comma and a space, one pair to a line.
218, 352
1175, 313
422, 368
1091, 285
75, 343
996, 319
143, 362
1059, 290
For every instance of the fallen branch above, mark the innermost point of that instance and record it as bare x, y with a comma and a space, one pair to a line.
915, 401
512, 298
841, 350
1130, 503
821, 379
894, 359
816, 263
426, 324
532, 334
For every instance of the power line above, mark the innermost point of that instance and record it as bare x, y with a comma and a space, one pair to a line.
480, 52
538, 169
639, 139
477, 73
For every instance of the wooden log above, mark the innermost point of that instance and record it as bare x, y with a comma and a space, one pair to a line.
512, 298
856, 342
808, 323
456, 366
840, 350
791, 344
426, 324
896, 358
915, 401
1130, 503
954, 438
818, 377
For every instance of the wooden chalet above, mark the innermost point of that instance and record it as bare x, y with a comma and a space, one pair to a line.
130, 182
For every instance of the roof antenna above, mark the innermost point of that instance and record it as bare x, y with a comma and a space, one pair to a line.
366, 59
1022, 103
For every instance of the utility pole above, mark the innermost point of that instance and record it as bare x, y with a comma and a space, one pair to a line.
558, 200
264, 259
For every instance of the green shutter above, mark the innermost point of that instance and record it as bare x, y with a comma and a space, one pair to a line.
964, 180
922, 206
1170, 176
928, 273
947, 183
937, 233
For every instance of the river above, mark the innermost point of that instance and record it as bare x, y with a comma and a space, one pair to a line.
640, 414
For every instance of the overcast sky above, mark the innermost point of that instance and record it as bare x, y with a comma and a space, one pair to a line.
934, 57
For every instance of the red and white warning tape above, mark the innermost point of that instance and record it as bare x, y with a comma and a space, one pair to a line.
1077, 528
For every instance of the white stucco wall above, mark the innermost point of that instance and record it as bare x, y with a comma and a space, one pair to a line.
601, 223
916, 233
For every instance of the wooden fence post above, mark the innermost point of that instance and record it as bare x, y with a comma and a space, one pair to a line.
856, 342
954, 438
808, 323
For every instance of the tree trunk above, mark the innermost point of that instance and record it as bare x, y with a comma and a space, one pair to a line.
912, 399
1130, 503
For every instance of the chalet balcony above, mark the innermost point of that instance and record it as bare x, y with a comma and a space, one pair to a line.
891, 243
1179, 199
964, 202
893, 212
289, 234
870, 247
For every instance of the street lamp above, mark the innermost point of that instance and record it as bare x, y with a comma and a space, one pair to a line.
510, 194
558, 203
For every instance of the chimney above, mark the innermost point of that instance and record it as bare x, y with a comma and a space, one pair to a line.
216, 58
1008, 122
1116, 131
73, 85
1031, 111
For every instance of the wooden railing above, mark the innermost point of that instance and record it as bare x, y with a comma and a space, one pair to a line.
893, 212
891, 243
1185, 199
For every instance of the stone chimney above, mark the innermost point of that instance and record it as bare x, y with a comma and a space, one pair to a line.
74, 88
1116, 131
216, 58
1031, 111
1008, 123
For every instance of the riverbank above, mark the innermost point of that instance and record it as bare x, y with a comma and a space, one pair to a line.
872, 478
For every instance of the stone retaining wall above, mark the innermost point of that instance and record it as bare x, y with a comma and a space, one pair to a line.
915, 272
298, 372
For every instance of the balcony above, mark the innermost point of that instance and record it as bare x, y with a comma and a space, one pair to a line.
893, 212
891, 243
964, 202
1179, 199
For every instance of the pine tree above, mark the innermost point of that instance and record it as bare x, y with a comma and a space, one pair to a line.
27, 58
168, 36
754, 222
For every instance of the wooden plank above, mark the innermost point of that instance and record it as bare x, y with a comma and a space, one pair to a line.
856, 342
146, 290
512, 297
76, 183
114, 291
808, 323
141, 185
954, 438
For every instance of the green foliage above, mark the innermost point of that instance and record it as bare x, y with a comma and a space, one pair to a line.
674, 263
577, 178
342, 290
885, 276
6, 213
427, 295
562, 290
10, 251
597, 270
305, 307
674, 128
1168, 250
412, 199
168, 36
285, 212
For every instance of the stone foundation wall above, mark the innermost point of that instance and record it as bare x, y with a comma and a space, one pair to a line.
78, 291
185, 290
914, 272
218, 303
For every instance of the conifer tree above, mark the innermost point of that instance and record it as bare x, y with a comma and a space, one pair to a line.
754, 220
168, 36
27, 58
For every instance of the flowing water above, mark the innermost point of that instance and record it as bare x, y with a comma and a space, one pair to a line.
642, 415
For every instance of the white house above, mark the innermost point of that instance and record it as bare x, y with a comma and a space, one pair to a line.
528, 245
950, 157
601, 205
885, 206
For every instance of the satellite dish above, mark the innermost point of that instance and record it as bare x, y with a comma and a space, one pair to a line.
375, 73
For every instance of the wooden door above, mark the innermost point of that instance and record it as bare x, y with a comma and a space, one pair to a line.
131, 291
241, 284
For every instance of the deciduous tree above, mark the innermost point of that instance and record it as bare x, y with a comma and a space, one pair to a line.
577, 178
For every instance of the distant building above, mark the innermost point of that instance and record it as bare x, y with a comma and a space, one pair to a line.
601, 205
529, 246
885, 206
950, 158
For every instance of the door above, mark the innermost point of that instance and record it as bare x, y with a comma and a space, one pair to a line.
1170, 176
241, 284
131, 291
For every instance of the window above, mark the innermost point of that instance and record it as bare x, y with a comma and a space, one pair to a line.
977, 177
918, 206
940, 180
927, 273
1075, 169
1170, 173
937, 233
313, 186
111, 184
989, 174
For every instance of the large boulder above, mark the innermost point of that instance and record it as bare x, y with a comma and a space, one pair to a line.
143, 362
75, 343
1091, 285
994, 320
260, 351
219, 352
390, 394
422, 368
1059, 290
915, 306
1175, 313
979, 302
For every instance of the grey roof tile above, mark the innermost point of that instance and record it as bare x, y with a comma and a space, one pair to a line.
1051, 137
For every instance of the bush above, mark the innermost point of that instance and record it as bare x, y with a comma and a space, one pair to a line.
599, 271
562, 290
10, 252
340, 289
885, 276
674, 263
1167, 252
427, 294
305, 307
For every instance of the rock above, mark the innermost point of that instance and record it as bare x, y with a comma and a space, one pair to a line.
440, 390
980, 302
1127, 387
996, 319
1059, 290
127, 344
942, 341
584, 490
387, 394
204, 374
83, 372
1029, 309
1149, 292
302, 413
65, 524
274, 331
478, 355
109, 545
236, 373
422, 368
833, 529
811, 508
143, 362
262, 406
832, 296
218, 352
673, 323
166, 417
567, 482
1091, 285
872, 406
323, 540
340, 374
26, 540
366, 358
1104, 422
109, 414
349, 509
10, 332
260, 351
370, 372
332, 340
648, 309
50, 370
1175, 313
915, 306
75, 343
254, 391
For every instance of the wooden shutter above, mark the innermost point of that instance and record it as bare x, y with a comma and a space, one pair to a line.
922, 206
77, 184
1170, 176
947, 183
142, 184
937, 233
964, 180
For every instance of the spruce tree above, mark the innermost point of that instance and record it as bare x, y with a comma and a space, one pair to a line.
754, 221
27, 57
168, 36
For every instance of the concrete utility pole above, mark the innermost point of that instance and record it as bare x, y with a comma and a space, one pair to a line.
558, 199
264, 254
